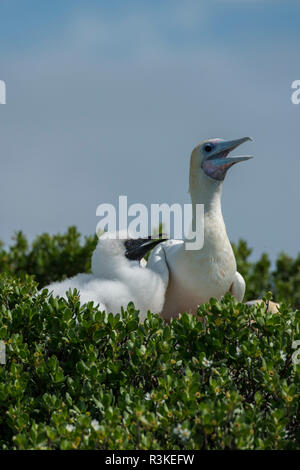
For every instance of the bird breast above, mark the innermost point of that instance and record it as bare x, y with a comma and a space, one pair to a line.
196, 276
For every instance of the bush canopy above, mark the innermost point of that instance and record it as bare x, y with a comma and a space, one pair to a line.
78, 378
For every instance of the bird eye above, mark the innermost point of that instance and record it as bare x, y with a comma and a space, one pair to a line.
208, 148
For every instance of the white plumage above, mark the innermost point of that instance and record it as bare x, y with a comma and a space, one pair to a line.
117, 277
197, 275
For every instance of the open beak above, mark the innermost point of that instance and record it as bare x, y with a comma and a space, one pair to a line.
216, 165
220, 157
137, 248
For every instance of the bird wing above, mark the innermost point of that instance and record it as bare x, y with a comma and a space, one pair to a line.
238, 287
157, 262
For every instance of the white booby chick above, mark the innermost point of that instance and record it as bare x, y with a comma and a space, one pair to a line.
197, 275
117, 277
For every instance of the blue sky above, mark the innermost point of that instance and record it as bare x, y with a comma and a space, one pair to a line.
29, 24
109, 98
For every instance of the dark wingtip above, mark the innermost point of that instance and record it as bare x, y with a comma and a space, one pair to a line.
137, 248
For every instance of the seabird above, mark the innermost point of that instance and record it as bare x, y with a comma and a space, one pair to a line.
118, 277
195, 276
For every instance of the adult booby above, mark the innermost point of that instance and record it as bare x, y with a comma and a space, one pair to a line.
197, 275
117, 277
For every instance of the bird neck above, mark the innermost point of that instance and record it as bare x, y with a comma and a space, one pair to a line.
205, 190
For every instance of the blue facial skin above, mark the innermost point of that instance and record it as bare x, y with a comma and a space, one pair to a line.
216, 161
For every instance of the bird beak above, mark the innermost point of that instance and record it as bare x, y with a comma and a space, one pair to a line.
137, 248
220, 157
216, 165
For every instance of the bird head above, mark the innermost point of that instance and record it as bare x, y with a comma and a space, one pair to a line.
212, 157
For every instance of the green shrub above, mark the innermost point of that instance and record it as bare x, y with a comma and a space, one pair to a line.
76, 378
49, 258
283, 281
53, 258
